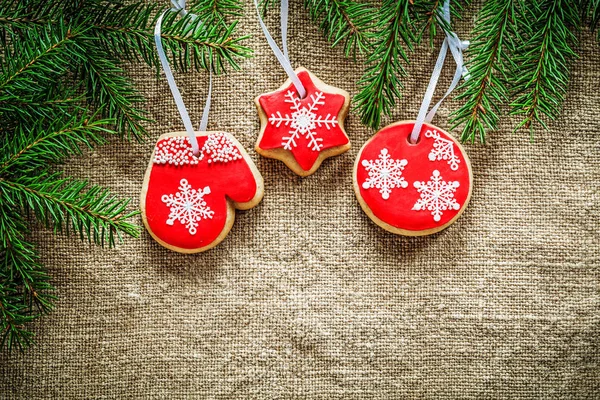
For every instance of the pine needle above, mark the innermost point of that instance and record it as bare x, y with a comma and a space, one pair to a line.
380, 85
496, 38
344, 22
25, 291
544, 60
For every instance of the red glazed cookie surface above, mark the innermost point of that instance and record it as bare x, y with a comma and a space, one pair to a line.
188, 201
412, 189
303, 132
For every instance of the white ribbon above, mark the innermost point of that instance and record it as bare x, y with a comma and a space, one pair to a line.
179, 7
456, 46
282, 56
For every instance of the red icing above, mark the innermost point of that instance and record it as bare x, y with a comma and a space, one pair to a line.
233, 179
397, 210
275, 131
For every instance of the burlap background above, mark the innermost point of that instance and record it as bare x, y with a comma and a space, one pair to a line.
307, 298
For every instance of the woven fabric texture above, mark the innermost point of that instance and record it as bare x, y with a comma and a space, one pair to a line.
307, 298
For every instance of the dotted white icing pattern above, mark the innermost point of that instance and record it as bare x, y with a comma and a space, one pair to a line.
177, 151
220, 148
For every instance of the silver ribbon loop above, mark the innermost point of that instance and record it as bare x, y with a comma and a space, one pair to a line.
456, 47
282, 56
179, 7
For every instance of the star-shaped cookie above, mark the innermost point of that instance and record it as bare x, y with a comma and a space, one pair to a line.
302, 132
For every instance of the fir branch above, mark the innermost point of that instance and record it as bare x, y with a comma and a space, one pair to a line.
344, 22
428, 16
25, 291
110, 91
66, 204
39, 59
497, 37
32, 81
194, 44
31, 149
22, 14
26, 108
128, 30
20, 262
14, 315
380, 84
544, 61
211, 12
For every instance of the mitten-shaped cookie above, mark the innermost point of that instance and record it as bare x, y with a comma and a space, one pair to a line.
188, 202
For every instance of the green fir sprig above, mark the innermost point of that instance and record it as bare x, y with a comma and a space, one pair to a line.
497, 34
344, 22
381, 83
110, 32
400, 27
519, 59
544, 60
63, 90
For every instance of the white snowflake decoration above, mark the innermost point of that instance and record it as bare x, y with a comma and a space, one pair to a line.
177, 150
220, 148
188, 206
385, 174
443, 149
303, 121
437, 196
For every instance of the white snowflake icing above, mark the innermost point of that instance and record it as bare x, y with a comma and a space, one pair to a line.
303, 121
385, 174
436, 196
443, 149
188, 206
178, 150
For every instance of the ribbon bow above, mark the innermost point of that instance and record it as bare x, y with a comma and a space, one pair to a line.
456, 46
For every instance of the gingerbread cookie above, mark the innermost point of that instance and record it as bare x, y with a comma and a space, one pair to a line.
188, 201
412, 189
303, 132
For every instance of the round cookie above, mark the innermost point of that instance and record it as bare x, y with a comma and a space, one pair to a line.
412, 189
